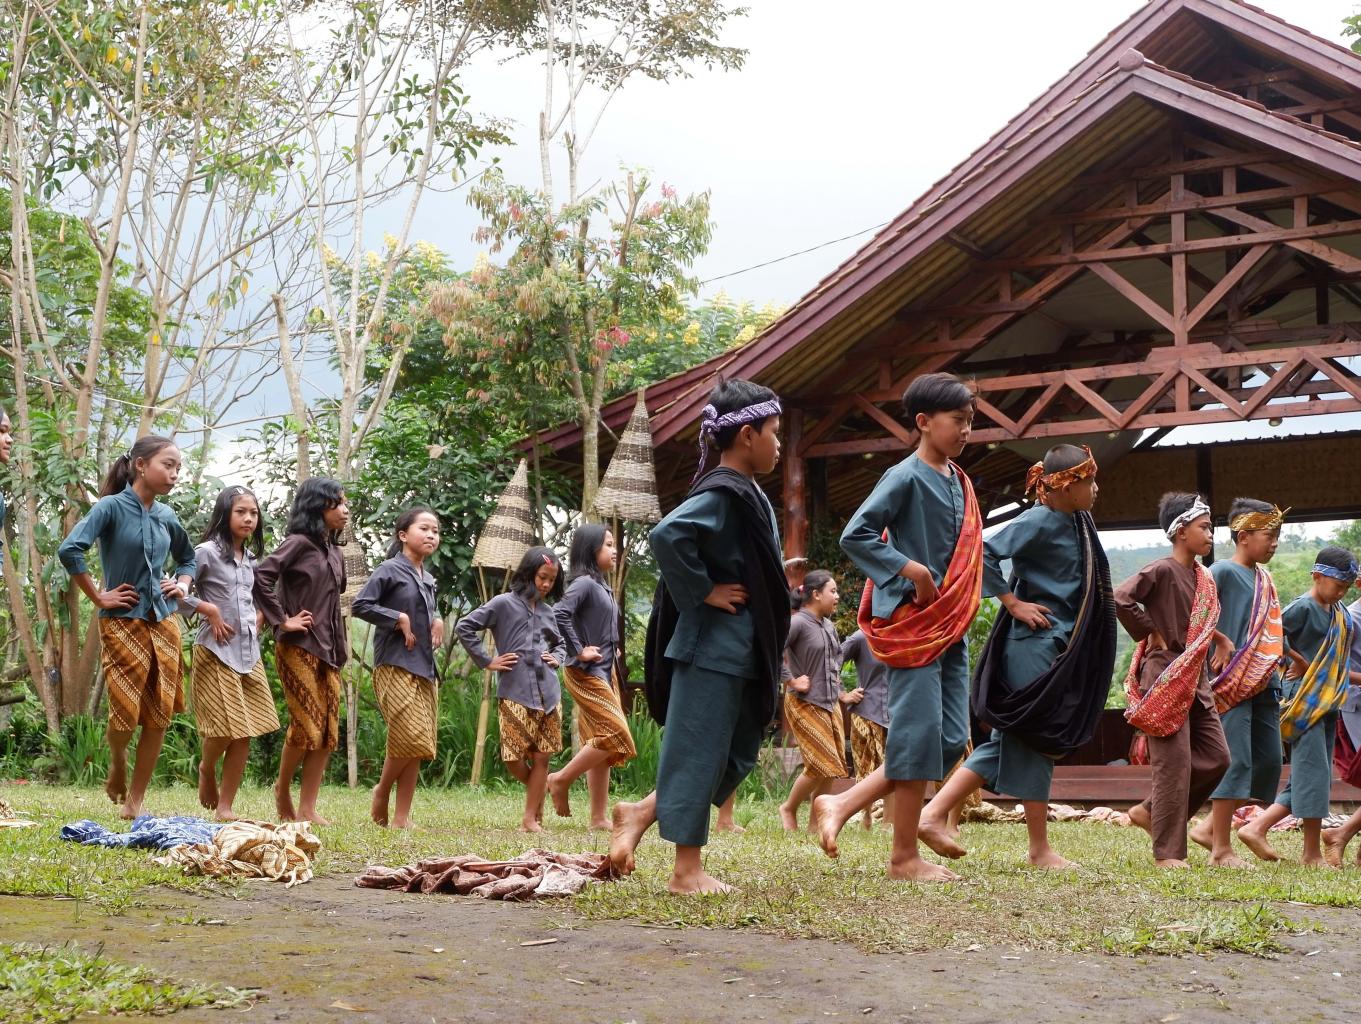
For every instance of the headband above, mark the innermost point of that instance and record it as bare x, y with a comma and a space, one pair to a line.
1333, 572
710, 423
1248, 521
1198, 509
1037, 480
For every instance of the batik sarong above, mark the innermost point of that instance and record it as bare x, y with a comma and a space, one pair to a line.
818, 734
229, 704
312, 689
603, 725
142, 672
409, 705
525, 731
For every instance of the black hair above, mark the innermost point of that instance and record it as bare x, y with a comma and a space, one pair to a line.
316, 496
1173, 504
587, 541
522, 579
404, 522
734, 394
936, 392
1337, 558
1241, 505
120, 473
1063, 456
815, 580
220, 522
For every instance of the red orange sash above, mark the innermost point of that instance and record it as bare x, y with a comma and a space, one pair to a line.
914, 636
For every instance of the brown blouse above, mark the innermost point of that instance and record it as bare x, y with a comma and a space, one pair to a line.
302, 575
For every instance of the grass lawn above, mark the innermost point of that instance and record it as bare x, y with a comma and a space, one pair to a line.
1117, 902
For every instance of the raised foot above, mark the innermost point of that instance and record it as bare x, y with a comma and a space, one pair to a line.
628, 823
1201, 835
916, 869
1228, 860
1257, 844
283, 802
830, 820
697, 884
1051, 861
1171, 864
116, 785
207, 785
1334, 846
1139, 818
557, 790
937, 838
378, 808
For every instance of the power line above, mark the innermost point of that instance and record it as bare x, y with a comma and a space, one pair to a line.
801, 252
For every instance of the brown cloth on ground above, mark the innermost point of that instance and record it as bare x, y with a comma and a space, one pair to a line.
536, 874
252, 849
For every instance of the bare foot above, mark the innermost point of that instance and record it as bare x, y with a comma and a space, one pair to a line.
312, 816
226, 814
1334, 846
404, 823
558, 792
867, 821
789, 819
283, 802
116, 786
600, 826
829, 824
1257, 844
937, 838
629, 823
130, 810
1139, 818
207, 785
530, 825
915, 869
727, 825
378, 808
1171, 864
1201, 835
1310, 860
703, 882
1051, 861
1228, 860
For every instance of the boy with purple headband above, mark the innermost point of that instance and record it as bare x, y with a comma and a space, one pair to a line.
716, 636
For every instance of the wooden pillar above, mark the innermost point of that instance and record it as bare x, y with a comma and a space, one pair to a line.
795, 496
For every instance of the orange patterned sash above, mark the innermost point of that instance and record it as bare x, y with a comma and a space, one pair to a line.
1163, 709
914, 636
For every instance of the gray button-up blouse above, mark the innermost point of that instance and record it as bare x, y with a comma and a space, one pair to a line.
395, 587
588, 617
813, 650
226, 582
871, 675
527, 630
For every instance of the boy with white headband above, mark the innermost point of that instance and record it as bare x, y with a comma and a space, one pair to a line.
1318, 645
1171, 608
716, 637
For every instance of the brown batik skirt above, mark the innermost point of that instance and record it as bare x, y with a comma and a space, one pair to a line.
142, 672
408, 703
818, 734
525, 731
229, 704
312, 689
867, 745
603, 725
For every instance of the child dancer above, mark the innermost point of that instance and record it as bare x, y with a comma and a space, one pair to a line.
139, 637
869, 715
399, 598
231, 695
1170, 608
813, 695
1043, 677
1246, 690
1318, 645
919, 539
1335, 840
716, 636
588, 618
298, 589
530, 650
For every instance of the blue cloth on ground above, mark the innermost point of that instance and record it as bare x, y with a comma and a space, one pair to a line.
148, 832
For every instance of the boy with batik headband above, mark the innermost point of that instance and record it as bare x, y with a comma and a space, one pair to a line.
919, 539
716, 636
1246, 692
1043, 677
1318, 645
1170, 607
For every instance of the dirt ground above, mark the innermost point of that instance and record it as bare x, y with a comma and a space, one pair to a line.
395, 957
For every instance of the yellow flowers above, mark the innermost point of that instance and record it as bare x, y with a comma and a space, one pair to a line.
745, 334
691, 334
111, 55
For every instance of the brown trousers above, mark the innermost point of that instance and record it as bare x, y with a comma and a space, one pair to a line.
1187, 766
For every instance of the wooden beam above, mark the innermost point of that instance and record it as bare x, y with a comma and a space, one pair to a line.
1217, 293
1124, 287
1303, 242
908, 437
1166, 207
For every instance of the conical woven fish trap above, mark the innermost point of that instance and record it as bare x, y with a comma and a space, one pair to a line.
629, 487
510, 530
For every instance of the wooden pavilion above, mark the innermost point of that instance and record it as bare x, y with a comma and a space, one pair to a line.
1169, 236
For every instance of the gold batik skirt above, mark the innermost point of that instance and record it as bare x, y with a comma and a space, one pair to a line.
819, 735
312, 689
603, 725
408, 703
142, 672
867, 745
525, 731
229, 704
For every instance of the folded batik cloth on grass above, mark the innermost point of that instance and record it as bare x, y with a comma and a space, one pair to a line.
986, 812
8, 819
251, 849
537, 874
148, 832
